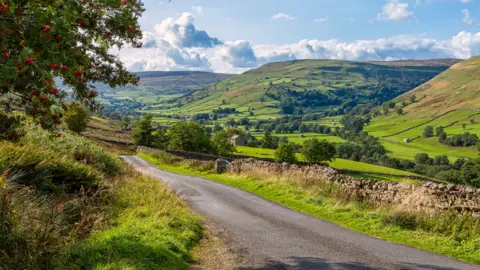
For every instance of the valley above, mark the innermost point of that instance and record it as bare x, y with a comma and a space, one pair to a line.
147, 135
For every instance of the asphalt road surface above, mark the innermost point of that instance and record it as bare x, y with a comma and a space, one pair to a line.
269, 236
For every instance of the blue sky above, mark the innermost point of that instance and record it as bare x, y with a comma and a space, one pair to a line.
233, 36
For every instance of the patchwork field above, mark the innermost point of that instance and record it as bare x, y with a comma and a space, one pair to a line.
393, 129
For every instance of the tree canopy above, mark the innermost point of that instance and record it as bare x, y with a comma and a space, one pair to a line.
46, 41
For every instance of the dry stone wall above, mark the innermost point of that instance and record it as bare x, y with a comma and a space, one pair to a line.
427, 196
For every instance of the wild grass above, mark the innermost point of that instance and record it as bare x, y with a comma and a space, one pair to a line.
153, 229
66, 203
446, 233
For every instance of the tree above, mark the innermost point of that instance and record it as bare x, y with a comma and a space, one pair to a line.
286, 153
441, 160
316, 151
269, 141
68, 40
423, 159
76, 117
399, 111
439, 130
428, 132
464, 126
142, 134
303, 128
190, 137
222, 144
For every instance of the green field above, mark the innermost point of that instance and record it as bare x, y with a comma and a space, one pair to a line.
297, 138
393, 129
338, 163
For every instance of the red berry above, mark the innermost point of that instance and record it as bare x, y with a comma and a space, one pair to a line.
58, 38
58, 135
53, 91
29, 60
4, 9
19, 66
42, 122
35, 93
54, 66
80, 22
36, 53
54, 116
44, 28
43, 99
92, 93
64, 68
5, 55
78, 73
130, 28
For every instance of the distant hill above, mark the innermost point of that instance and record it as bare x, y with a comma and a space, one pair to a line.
311, 85
160, 85
456, 88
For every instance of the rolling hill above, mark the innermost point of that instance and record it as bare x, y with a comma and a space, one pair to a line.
451, 100
157, 86
456, 88
309, 85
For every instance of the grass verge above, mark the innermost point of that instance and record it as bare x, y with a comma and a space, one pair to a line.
447, 234
153, 229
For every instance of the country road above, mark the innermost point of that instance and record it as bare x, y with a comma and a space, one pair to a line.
270, 236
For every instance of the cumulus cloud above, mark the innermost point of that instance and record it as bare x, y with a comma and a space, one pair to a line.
466, 16
321, 20
395, 11
177, 45
182, 33
238, 54
283, 16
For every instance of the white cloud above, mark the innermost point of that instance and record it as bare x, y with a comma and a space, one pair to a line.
198, 10
466, 1
170, 47
466, 17
182, 32
283, 16
239, 54
395, 11
321, 20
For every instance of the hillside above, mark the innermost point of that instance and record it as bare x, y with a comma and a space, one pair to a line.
310, 85
456, 88
157, 86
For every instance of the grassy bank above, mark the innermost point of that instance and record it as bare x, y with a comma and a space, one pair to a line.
66, 203
447, 234
152, 229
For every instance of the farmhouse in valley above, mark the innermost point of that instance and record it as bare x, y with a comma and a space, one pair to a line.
238, 140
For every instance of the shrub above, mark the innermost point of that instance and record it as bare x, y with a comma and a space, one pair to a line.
143, 132
76, 117
316, 151
428, 132
222, 144
286, 153
189, 136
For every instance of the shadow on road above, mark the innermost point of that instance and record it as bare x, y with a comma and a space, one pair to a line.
309, 264
316, 263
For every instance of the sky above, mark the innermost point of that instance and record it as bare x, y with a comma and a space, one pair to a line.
234, 36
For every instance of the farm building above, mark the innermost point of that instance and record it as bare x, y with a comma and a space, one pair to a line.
238, 140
